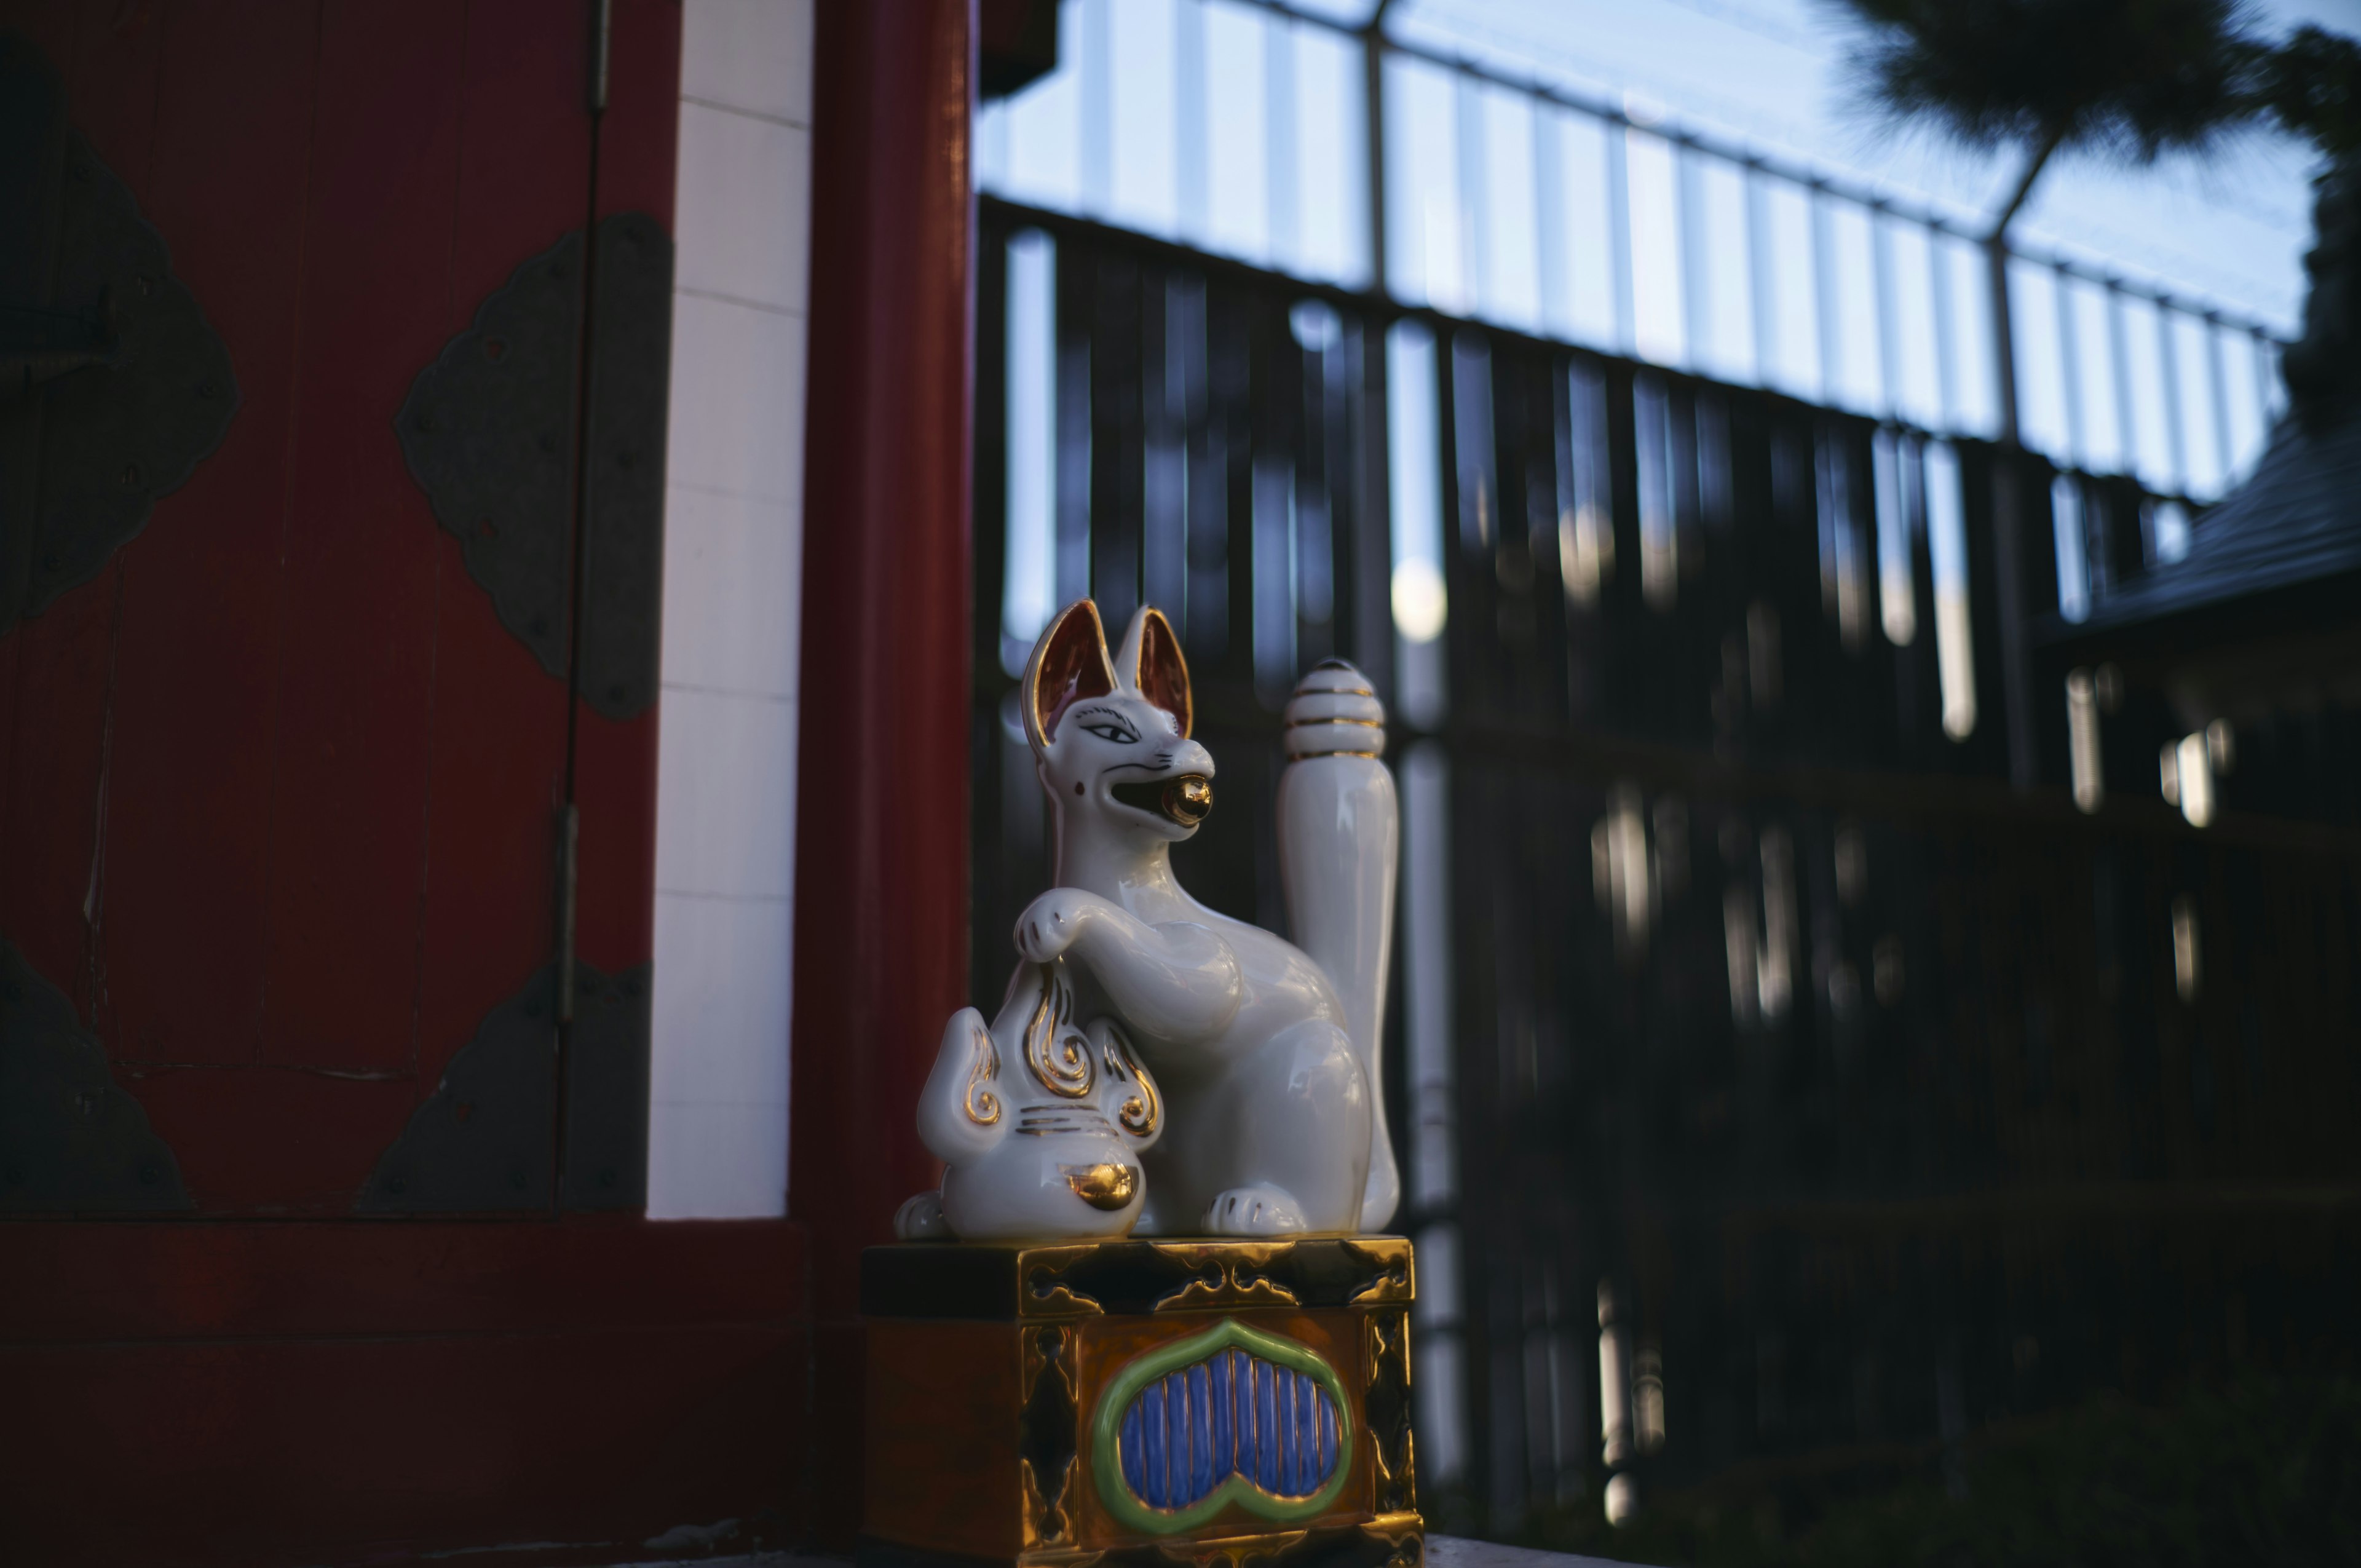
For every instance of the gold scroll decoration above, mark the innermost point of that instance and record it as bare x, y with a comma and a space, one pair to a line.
1142, 1108
1240, 1268
1054, 1049
981, 1106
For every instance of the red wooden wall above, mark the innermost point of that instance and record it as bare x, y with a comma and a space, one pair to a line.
278, 796
256, 1394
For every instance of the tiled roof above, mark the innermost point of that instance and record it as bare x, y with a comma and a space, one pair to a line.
2295, 524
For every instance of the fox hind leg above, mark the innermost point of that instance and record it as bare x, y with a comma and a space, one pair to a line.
1292, 1151
1257, 1211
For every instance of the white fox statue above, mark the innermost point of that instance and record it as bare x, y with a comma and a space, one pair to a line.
1226, 1082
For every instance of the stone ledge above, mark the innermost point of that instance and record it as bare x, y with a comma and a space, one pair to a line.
1441, 1552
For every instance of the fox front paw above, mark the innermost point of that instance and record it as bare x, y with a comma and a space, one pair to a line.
1051, 922
1256, 1210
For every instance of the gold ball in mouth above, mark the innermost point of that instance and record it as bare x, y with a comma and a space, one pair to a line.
1106, 1187
1189, 799
1184, 801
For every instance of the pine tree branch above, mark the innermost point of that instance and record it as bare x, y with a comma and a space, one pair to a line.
2033, 167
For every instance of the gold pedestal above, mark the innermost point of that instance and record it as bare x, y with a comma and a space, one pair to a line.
1136, 1403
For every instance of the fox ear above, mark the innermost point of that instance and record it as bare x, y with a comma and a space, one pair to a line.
1068, 664
1152, 665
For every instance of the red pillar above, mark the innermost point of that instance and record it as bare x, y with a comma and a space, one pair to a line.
881, 846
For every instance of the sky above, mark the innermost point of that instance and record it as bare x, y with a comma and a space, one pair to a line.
2228, 230
2231, 228
1216, 124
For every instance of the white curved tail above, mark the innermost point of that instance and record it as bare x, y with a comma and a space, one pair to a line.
1339, 837
961, 1113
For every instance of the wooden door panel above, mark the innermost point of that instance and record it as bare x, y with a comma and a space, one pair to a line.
48, 844
198, 658
615, 785
500, 738
360, 580
259, 1139
615, 758
8, 663
52, 25
53, 791
111, 83
282, 791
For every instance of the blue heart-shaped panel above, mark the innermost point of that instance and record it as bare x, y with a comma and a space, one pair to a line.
1190, 1430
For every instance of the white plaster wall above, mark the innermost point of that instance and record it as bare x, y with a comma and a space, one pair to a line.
733, 560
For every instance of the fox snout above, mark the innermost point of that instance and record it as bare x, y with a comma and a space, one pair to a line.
1183, 795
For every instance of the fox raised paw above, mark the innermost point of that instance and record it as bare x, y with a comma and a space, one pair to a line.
1053, 922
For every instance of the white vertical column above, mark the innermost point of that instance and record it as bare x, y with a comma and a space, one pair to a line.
733, 559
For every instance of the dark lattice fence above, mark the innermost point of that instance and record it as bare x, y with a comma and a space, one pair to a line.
1846, 1093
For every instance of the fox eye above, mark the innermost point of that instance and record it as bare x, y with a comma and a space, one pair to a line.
1117, 733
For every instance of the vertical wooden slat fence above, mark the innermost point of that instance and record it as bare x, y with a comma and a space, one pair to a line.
1848, 1095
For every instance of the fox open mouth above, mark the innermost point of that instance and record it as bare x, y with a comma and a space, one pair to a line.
1185, 800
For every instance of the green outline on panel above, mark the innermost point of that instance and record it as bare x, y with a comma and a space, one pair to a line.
1107, 1432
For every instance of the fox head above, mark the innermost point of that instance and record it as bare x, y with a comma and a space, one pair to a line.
1111, 736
